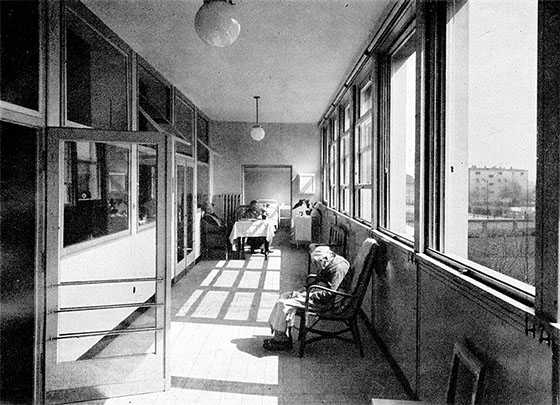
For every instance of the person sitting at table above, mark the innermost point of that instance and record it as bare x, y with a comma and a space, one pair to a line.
255, 212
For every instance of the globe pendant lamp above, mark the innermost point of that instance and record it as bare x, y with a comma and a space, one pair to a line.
215, 23
257, 132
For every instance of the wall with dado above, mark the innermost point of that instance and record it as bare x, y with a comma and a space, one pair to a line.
421, 311
296, 145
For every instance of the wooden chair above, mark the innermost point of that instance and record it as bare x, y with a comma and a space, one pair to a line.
347, 306
462, 356
337, 243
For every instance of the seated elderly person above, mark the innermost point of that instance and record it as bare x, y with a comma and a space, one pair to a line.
255, 212
332, 270
210, 215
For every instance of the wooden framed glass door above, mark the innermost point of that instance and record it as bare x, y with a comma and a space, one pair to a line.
184, 212
107, 289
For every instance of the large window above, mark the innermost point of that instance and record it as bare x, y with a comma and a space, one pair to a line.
184, 122
363, 155
96, 78
202, 135
19, 44
490, 143
401, 138
154, 100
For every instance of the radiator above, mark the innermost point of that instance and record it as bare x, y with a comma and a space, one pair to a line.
225, 205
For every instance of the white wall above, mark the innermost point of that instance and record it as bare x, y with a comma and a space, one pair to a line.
296, 145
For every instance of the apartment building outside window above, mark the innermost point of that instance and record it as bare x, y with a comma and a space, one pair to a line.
491, 130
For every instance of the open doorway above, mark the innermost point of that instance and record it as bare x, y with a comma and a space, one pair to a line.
269, 182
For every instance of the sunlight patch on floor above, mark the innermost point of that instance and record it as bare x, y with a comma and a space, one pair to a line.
250, 279
209, 278
211, 305
222, 353
256, 263
240, 307
265, 308
274, 263
272, 281
235, 264
189, 303
227, 278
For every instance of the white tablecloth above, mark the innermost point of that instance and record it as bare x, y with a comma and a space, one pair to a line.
246, 228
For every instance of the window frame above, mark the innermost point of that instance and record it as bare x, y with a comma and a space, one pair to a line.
334, 149
363, 118
346, 135
398, 37
83, 16
432, 44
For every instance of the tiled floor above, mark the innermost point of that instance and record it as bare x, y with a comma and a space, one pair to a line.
219, 322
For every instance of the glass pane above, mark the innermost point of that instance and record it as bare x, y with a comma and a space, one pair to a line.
363, 153
347, 117
181, 213
202, 133
364, 204
154, 97
96, 78
184, 122
96, 194
203, 178
402, 139
147, 184
185, 177
365, 99
491, 134
19, 70
189, 187
345, 200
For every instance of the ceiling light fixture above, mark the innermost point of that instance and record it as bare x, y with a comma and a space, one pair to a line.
215, 23
257, 132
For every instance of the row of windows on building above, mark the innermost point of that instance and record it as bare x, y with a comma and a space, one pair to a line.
375, 165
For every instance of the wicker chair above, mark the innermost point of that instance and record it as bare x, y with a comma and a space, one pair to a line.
347, 305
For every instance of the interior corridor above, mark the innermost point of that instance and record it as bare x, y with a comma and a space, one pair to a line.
219, 315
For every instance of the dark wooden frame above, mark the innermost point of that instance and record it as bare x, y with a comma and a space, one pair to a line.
461, 355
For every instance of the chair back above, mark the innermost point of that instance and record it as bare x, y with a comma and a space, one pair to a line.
337, 239
238, 213
361, 272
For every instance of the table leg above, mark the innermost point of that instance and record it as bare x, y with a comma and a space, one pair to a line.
239, 243
266, 245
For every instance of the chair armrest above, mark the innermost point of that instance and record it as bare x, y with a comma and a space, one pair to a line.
320, 287
310, 276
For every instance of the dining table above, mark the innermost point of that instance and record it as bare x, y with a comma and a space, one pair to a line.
251, 228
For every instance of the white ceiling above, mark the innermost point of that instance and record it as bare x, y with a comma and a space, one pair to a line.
295, 54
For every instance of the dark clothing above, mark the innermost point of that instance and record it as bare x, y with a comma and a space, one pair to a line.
333, 276
257, 213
